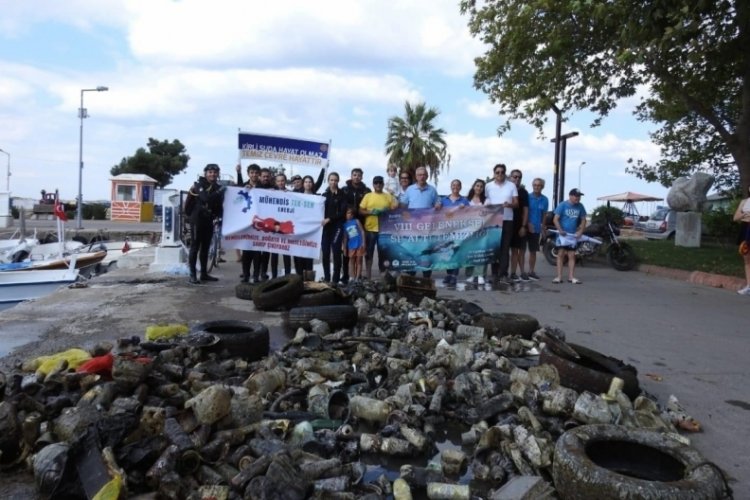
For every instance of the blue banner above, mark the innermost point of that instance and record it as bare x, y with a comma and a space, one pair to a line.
448, 238
282, 149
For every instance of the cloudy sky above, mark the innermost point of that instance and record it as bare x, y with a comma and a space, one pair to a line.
198, 71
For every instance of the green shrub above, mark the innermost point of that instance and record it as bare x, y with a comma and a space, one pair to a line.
599, 214
719, 224
94, 211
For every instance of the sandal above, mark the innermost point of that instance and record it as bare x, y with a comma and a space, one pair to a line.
575, 281
557, 280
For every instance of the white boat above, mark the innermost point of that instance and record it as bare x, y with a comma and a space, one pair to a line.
18, 286
116, 249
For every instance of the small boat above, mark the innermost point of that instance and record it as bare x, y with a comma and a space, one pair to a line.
116, 249
18, 286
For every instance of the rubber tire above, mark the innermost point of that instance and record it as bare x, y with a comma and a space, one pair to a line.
622, 258
337, 317
549, 251
502, 324
244, 291
593, 372
245, 339
278, 293
684, 472
325, 297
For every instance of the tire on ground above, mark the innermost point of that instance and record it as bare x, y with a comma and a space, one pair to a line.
278, 293
343, 316
592, 372
245, 339
324, 297
244, 291
611, 461
502, 324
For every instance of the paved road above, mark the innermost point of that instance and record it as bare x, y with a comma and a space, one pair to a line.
694, 337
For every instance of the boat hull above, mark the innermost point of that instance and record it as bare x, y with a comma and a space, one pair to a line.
18, 286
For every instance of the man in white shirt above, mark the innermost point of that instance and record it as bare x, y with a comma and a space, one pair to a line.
505, 193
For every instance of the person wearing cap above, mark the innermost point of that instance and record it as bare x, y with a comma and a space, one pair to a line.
570, 221
296, 181
204, 203
372, 205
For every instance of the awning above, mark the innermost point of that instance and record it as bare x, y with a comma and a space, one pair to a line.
629, 196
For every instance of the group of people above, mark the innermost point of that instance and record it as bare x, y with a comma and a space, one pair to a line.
351, 222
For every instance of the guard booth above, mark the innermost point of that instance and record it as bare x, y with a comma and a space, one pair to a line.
132, 198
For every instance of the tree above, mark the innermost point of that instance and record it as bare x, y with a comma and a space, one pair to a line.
162, 161
413, 141
691, 57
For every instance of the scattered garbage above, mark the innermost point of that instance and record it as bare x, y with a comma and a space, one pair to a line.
391, 394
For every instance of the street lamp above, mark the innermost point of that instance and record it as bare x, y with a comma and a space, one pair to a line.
7, 172
82, 114
563, 148
579, 173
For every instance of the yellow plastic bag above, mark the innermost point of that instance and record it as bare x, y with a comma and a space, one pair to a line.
111, 490
44, 364
163, 332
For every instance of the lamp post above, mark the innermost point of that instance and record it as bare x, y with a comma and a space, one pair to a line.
7, 172
579, 173
82, 114
564, 143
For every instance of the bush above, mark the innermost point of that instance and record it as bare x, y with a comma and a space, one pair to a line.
599, 215
719, 224
94, 211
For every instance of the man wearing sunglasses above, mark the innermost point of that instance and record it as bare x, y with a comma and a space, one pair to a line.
504, 193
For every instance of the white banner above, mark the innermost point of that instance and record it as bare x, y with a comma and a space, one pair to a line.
267, 220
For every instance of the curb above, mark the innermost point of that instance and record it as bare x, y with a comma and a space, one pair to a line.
696, 277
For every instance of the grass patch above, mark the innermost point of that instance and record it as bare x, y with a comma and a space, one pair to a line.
710, 257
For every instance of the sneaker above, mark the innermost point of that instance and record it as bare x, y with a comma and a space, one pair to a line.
532, 276
525, 277
480, 280
514, 278
744, 291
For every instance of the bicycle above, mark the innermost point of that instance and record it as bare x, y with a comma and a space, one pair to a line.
214, 249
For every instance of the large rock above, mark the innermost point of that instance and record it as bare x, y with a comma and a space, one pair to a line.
689, 194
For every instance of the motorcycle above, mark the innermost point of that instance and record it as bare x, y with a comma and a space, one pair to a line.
596, 238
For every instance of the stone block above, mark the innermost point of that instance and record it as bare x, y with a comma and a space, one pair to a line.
688, 230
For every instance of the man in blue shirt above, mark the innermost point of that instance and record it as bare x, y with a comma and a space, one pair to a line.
420, 195
538, 206
570, 221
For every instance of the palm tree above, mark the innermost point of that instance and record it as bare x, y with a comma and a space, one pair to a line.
413, 141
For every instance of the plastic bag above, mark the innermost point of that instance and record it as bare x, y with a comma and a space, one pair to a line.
44, 364
163, 332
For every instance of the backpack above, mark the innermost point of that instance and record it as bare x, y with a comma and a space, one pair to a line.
189, 205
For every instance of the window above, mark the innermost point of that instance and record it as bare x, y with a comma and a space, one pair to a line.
125, 193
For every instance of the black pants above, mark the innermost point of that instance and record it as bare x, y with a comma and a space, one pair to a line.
302, 264
331, 245
248, 258
260, 264
503, 260
202, 232
275, 264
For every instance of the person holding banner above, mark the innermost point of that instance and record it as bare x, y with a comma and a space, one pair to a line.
504, 193
421, 195
205, 202
248, 257
260, 264
455, 199
374, 204
475, 196
286, 259
333, 219
302, 264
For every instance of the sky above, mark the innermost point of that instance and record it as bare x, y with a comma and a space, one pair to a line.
199, 71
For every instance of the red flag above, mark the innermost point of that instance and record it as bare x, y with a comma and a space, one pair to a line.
60, 211
126, 247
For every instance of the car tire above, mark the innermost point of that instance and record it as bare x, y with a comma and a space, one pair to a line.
244, 291
325, 297
502, 324
612, 462
245, 339
343, 316
278, 293
592, 371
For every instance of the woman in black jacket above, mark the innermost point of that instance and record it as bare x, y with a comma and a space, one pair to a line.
333, 218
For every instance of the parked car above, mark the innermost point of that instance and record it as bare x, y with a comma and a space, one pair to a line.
661, 225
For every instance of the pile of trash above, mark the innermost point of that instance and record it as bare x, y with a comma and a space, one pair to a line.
437, 399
